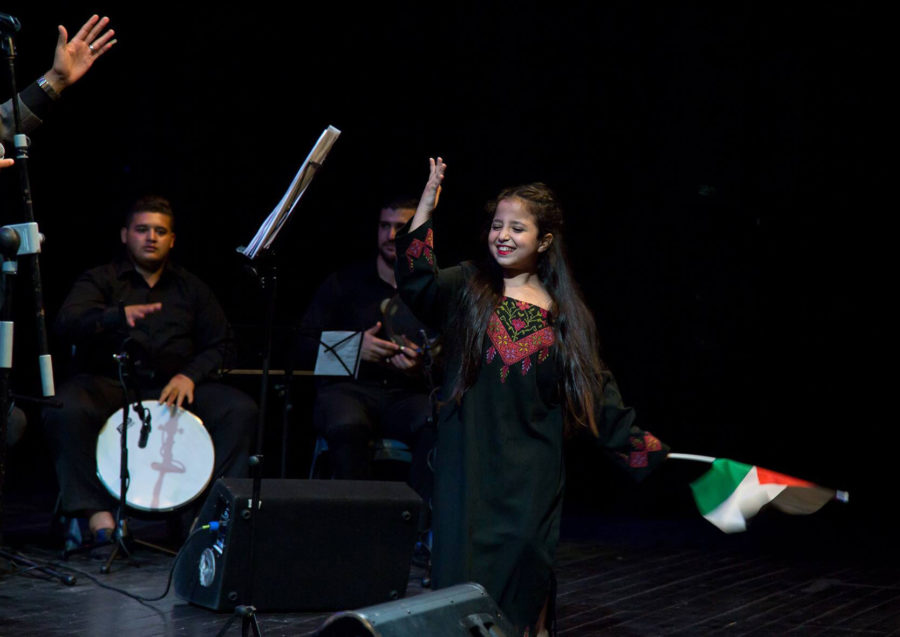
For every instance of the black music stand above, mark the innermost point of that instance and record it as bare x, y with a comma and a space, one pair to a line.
260, 251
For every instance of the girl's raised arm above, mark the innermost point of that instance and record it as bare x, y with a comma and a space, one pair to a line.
430, 195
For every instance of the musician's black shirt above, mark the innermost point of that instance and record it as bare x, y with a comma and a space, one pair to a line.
190, 335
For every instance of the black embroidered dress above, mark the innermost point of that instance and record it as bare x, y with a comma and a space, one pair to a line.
499, 473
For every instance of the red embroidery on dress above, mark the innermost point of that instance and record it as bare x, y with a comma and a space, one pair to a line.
638, 459
509, 320
642, 446
512, 351
652, 442
418, 247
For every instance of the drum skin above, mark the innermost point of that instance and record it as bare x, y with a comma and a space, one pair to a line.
173, 468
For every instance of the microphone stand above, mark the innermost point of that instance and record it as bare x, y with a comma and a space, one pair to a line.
10, 245
20, 239
122, 360
118, 538
32, 236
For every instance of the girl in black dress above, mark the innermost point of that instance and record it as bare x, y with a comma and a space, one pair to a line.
523, 373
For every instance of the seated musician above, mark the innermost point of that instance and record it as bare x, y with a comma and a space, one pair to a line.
176, 337
389, 398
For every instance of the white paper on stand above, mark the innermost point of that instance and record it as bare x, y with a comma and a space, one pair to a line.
269, 229
338, 353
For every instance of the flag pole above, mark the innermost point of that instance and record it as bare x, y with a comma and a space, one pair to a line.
692, 456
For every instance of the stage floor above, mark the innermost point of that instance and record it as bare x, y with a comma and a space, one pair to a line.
617, 576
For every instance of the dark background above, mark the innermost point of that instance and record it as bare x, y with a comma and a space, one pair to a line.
719, 166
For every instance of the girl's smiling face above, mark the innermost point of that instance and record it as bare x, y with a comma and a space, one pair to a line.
513, 238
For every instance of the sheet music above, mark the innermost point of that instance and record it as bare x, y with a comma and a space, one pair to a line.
270, 227
335, 348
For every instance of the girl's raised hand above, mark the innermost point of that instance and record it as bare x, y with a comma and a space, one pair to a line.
432, 192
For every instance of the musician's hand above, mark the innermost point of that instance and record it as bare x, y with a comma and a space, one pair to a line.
6, 163
73, 58
374, 349
408, 357
431, 194
134, 313
179, 388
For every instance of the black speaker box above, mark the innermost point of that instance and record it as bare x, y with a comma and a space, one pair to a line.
457, 611
318, 545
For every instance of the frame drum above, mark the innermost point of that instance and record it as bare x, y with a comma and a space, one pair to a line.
173, 469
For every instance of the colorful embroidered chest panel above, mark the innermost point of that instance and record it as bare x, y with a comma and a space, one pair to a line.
517, 331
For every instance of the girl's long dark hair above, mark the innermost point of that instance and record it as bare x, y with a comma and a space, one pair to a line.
572, 321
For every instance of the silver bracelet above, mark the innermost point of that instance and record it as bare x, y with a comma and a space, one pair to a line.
48, 89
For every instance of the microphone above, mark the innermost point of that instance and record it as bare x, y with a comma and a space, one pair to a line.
145, 433
145, 424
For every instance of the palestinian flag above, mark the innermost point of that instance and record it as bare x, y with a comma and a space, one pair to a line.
731, 493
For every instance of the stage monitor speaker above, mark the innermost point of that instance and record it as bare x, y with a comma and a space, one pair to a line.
318, 545
465, 609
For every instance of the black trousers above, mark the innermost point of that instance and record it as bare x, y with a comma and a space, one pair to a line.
229, 415
350, 415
